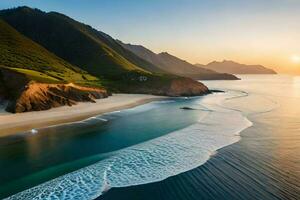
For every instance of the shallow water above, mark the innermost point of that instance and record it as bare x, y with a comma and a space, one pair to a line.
161, 147
135, 146
264, 164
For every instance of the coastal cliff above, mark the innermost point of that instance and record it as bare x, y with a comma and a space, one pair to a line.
164, 86
41, 96
37, 67
186, 87
25, 95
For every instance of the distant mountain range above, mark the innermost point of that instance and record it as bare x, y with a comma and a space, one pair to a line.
232, 67
174, 65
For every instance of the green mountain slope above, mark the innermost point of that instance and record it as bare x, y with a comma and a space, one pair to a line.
77, 43
91, 51
22, 55
33, 79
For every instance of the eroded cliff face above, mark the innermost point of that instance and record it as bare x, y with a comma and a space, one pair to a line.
175, 87
25, 95
186, 87
41, 96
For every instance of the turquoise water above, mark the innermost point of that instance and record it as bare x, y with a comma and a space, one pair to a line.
31, 158
161, 151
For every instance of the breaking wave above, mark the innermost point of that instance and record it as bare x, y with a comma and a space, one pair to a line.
151, 161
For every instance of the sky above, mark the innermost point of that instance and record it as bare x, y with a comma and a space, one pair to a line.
263, 32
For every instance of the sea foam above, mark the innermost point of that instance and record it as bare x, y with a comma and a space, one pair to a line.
151, 161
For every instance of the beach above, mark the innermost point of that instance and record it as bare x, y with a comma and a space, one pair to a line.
171, 153
151, 142
15, 123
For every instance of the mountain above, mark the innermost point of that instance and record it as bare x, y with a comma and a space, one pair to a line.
232, 67
20, 54
24, 64
49, 59
174, 65
77, 43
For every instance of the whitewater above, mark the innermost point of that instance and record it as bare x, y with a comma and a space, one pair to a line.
153, 160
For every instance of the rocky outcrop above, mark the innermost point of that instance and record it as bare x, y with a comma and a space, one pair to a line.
187, 108
186, 87
25, 95
173, 87
41, 96
212, 76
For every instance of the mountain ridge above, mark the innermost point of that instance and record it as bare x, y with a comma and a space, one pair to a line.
175, 65
229, 66
24, 64
83, 45
55, 49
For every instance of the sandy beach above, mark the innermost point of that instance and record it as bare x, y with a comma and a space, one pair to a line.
14, 123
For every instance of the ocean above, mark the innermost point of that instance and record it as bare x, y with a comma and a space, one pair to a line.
240, 144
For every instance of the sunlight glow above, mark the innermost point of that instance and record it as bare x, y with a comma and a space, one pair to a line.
295, 58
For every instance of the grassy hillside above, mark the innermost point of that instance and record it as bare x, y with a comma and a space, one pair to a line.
93, 52
20, 54
77, 43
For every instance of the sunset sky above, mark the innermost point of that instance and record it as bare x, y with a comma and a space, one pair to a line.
254, 32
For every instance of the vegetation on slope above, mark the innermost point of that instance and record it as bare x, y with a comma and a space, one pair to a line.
77, 43
25, 65
53, 48
85, 47
22, 55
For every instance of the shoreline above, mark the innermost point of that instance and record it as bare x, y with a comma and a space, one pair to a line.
130, 153
11, 124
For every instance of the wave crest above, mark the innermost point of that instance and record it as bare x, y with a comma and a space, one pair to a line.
150, 161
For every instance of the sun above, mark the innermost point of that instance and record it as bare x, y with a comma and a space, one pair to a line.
295, 59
